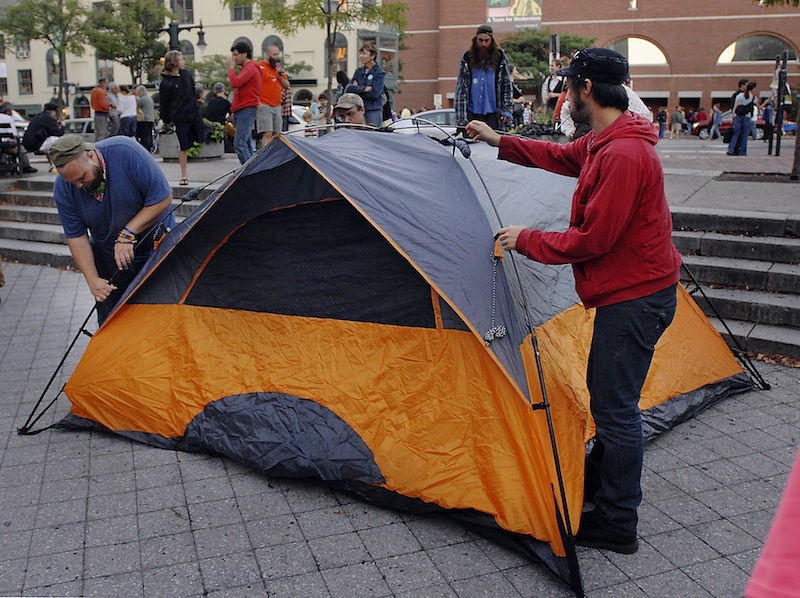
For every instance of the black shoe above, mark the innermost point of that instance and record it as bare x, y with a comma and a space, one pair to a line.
592, 535
30, 169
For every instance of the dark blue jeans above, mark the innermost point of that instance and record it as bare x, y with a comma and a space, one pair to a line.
243, 142
625, 335
741, 130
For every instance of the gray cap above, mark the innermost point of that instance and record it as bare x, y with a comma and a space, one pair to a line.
348, 100
66, 148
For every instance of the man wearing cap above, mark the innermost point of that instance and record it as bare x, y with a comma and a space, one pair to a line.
350, 109
114, 191
43, 130
619, 243
483, 89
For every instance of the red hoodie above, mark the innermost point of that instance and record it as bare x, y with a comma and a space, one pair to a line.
619, 239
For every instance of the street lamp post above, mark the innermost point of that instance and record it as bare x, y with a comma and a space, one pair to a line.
174, 29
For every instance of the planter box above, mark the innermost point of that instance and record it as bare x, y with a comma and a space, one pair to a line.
168, 149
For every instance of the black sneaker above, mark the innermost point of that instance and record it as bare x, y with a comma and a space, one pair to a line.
590, 534
30, 170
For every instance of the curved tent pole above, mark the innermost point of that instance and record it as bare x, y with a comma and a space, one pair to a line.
27, 427
563, 519
738, 350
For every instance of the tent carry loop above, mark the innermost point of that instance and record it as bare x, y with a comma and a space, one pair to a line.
737, 349
27, 428
562, 519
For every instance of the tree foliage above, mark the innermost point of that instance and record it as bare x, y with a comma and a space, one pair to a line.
529, 51
62, 24
127, 31
214, 68
794, 3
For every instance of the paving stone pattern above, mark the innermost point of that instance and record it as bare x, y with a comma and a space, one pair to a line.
89, 514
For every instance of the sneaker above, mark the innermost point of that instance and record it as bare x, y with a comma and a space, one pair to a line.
590, 534
30, 169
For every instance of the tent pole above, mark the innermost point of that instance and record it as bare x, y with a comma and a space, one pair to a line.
738, 350
564, 524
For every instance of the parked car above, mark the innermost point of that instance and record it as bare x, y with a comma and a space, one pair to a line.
444, 123
80, 126
702, 128
20, 122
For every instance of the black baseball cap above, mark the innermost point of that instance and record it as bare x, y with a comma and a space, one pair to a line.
601, 65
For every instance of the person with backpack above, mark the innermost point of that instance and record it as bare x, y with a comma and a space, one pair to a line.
742, 108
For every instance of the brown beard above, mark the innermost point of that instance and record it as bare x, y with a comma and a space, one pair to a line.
484, 57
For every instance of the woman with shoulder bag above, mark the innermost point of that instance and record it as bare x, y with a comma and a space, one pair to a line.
742, 107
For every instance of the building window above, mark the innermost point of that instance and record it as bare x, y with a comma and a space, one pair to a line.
639, 51
242, 11
184, 10
25, 78
105, 68
339, 55
22, 49
187, 49
2, 46
3, 86
271, 40
756, 48
52, 67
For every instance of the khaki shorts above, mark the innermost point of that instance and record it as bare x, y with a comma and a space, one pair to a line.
269, 119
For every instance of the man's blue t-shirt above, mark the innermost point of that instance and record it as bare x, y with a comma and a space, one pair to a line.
133, 181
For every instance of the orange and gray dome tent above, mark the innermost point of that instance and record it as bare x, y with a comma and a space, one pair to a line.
337, 310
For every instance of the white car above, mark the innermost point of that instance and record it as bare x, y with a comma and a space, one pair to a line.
83, 127
439, 124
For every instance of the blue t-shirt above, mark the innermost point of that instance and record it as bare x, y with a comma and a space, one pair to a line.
133, 181
482, 96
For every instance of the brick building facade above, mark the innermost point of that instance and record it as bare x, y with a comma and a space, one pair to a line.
691, 37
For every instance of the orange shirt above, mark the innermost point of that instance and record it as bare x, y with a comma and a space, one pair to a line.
271, 88
99, 101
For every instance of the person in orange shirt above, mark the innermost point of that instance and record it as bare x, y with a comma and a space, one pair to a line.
100, 106
273, 81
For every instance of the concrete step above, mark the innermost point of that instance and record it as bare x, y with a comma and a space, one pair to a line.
775, 341
37, 214
744, 274
770, 249
759, 307
29, 231
24, 197
735, 222
35, 252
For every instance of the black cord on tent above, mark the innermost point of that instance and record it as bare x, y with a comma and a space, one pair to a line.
26, 429
563, 520
737, 349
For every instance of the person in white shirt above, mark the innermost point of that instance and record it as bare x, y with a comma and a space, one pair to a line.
7, 122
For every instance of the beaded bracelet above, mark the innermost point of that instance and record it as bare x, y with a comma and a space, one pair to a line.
126, 236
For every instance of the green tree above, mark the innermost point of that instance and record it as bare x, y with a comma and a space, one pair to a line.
331, 15
62, 24
529, 51
795, 174
127, 32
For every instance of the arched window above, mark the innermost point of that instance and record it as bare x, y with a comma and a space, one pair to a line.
339, 54
187, 49
639, 51
52, 67
756, 48
271, 40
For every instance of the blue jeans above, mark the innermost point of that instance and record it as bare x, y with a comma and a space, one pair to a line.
243, 143
374, 117
741, 131
624, 339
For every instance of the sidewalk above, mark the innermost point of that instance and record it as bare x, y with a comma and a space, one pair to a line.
87, 514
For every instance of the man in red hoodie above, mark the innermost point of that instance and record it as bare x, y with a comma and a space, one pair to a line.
619, 243
246, 89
